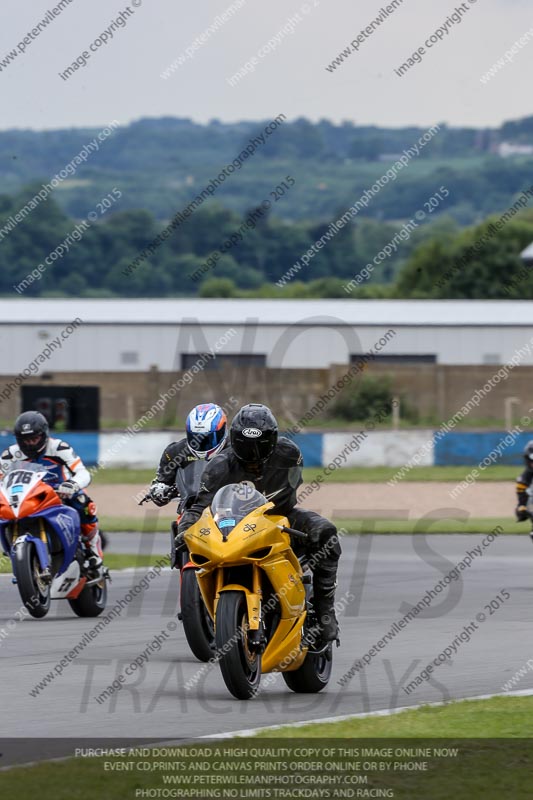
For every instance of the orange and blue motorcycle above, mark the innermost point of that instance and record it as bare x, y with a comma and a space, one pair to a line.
42, 537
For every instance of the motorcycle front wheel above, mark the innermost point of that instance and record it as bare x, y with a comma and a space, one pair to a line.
34, 592
240, 667
197, 624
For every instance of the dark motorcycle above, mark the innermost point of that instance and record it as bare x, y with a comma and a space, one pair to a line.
197, 624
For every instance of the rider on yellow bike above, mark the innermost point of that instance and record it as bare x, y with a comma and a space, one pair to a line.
274, 465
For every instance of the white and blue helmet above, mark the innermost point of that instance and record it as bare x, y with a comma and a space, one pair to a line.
207, 428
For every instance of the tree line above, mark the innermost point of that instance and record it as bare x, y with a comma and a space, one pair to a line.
438, 259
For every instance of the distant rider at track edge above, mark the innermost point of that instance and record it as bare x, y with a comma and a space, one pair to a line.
523, 484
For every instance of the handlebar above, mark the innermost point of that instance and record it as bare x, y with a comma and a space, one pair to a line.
148, 498
293, 532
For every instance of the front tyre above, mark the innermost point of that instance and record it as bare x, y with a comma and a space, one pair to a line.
91, 601
240, 667
34, 592
197, 624
313, 675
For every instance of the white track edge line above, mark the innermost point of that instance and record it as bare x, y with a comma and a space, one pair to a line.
253, 731
386, 712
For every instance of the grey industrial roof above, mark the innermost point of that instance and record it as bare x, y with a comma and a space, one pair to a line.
270, 311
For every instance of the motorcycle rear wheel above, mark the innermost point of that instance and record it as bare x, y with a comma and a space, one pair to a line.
33, 592
240, 667
197, 624
91, 601
313, 675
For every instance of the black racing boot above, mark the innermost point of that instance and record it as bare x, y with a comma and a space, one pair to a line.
323, 601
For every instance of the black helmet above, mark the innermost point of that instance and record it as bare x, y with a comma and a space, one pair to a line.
528, 454
31, 433
253, 435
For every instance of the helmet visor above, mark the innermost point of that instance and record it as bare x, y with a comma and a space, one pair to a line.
253, 451
204, 442
32, 444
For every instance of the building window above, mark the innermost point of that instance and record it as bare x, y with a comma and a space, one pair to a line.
398, 358
129, 357
239, 360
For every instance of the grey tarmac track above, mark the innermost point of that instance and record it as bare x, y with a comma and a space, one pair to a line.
385, 575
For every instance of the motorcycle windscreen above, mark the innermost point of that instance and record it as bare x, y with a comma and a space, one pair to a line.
188, 479
232, 503
24, 466
20, 479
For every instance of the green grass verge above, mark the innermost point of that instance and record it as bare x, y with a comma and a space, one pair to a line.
425, 525
124, 475
345, 475
139, 524
499, 717
112, 561
425, 474
493, 760
355, 526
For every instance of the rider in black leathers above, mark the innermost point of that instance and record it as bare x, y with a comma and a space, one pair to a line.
523, 484
274, 464
206, 435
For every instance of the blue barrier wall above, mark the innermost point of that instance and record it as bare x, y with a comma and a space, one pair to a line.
472, 448
311, 445
452, 448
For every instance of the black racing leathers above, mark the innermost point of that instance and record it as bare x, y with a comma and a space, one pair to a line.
176, 456
523, 482
281, 476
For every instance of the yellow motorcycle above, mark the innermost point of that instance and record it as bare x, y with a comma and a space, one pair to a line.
258, 594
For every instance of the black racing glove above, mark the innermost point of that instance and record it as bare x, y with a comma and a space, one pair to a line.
161, 493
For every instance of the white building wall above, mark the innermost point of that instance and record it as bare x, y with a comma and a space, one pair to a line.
286, 332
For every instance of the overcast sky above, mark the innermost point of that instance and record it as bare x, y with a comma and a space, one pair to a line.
122, 79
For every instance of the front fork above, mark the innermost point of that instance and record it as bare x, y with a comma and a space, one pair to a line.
256, 633
255, 627
41, 547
